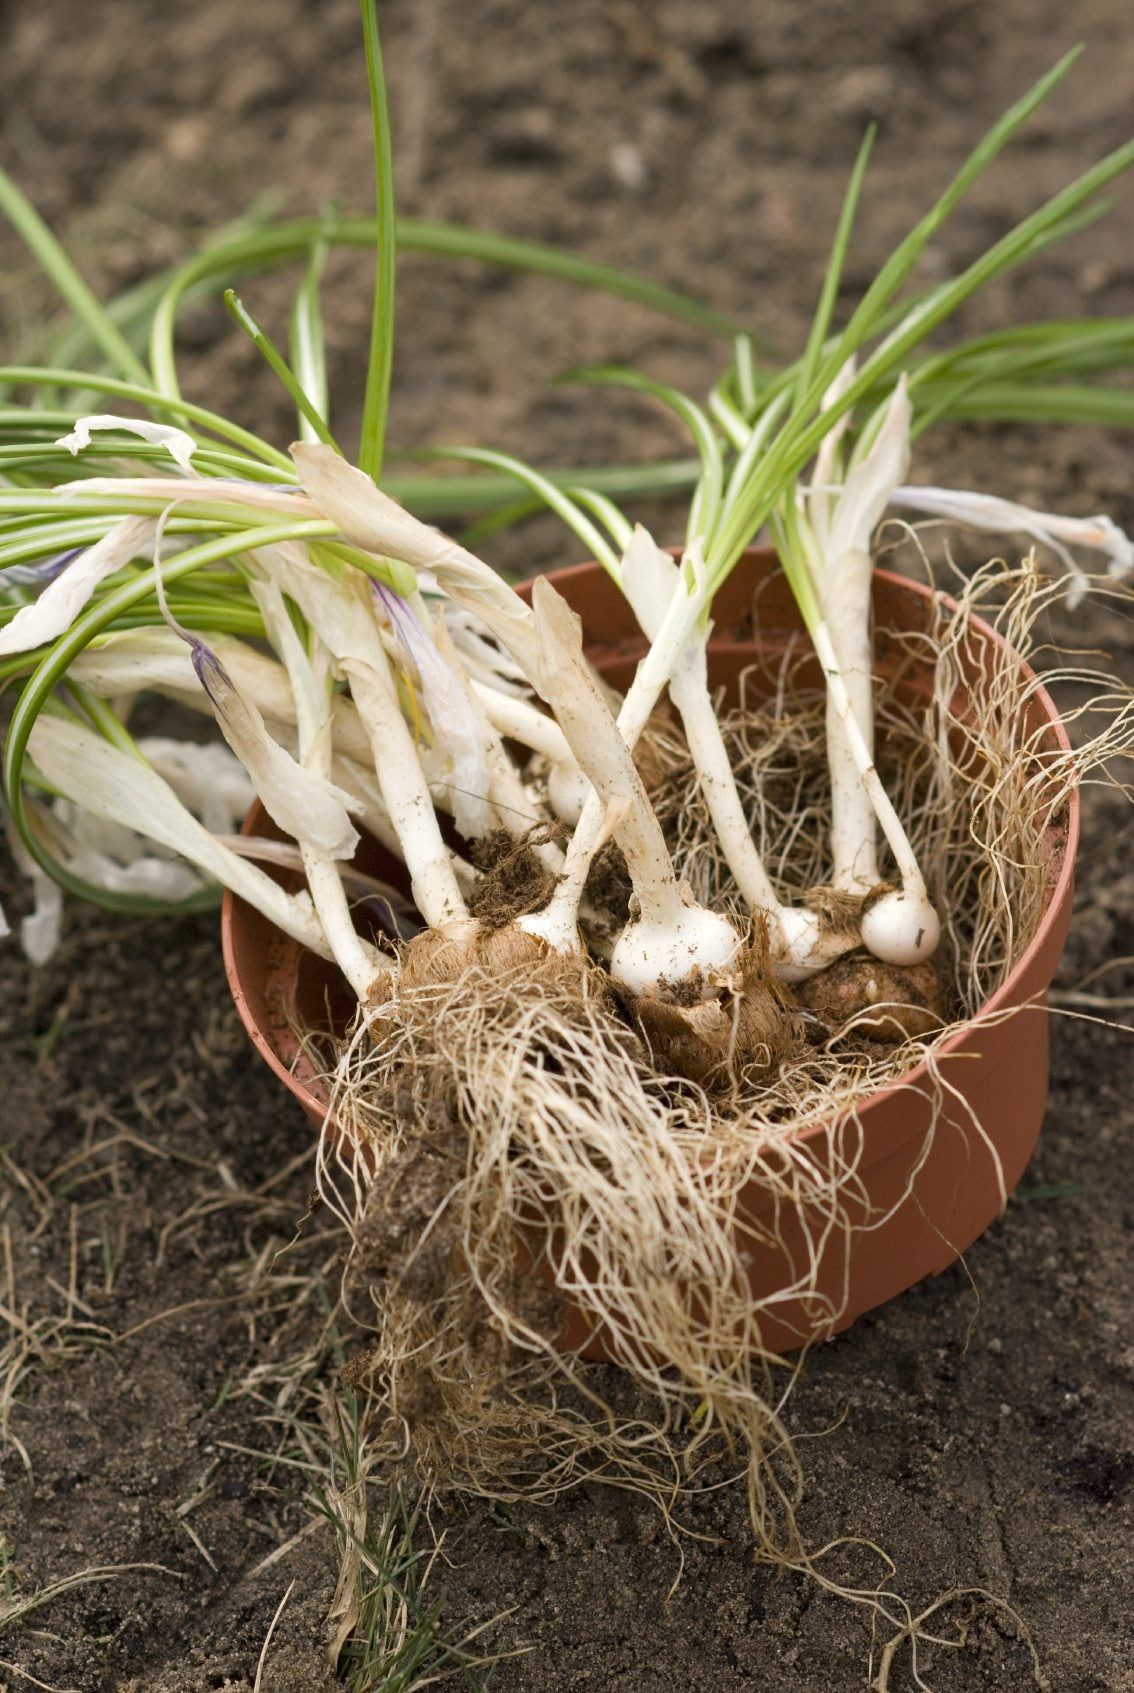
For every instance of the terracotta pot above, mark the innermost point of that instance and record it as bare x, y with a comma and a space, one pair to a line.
995, 1070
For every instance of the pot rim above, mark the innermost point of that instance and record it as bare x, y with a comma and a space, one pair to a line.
1056, 897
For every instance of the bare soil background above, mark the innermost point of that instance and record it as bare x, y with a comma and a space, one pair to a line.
981, 1428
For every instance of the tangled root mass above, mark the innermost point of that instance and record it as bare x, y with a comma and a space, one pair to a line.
525, 1163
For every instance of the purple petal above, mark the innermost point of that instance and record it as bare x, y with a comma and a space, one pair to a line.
38, 574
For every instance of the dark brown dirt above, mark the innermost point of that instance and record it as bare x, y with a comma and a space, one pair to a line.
514, 880
981, 1429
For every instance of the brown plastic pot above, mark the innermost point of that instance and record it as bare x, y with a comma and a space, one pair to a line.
931, 1164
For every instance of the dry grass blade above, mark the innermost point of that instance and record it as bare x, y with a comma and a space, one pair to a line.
14, 1610
33, 1680
263, 1658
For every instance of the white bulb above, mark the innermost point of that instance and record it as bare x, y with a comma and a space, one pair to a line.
901, 928
795, 943
567, 788
649, 955
554, 926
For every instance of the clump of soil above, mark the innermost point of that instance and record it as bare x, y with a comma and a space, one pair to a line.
910, 999
514, 881
609, 888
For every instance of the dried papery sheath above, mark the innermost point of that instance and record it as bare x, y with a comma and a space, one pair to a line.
1007, 517
373, 521
458, 744
71, 589
126, 789
177, 443
304, 805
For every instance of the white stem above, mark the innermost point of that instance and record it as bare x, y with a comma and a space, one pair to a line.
800, 943
863, 757
360, 782
524, 722
514, 805
510, 799
357, 779
671, 939
405, 793
362, 965
652, 675
689, 692
845, 604
901, 928
342, 616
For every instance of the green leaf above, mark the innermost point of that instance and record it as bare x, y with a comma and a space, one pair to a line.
39, 240
275, 359
376, 403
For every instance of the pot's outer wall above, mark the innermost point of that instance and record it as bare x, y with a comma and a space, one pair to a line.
934, 1158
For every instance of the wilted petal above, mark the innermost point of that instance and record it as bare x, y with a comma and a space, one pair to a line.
206, 777
649, 578
65, 596
304, 805
177, 443
41, 929
123, 789
377, 524
37, 575
457, 734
